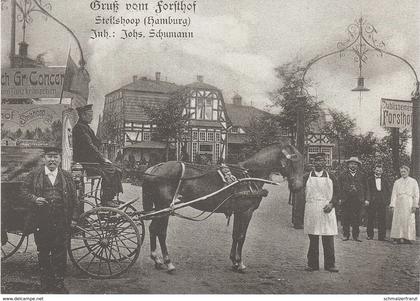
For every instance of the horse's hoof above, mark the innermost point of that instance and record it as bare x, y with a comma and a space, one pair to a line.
241, 268
170, 268
157, 260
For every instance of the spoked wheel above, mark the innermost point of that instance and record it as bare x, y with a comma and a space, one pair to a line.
11, 243
105, 243
132, 212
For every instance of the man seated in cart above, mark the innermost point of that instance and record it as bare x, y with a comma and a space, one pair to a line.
51, 195
86, 150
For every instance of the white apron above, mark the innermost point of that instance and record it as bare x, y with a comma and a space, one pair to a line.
319, 192
404, 196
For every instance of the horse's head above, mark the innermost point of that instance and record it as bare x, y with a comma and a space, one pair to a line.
291, 166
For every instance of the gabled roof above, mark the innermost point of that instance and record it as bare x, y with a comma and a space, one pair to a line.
201, 85
149, 85
241, 116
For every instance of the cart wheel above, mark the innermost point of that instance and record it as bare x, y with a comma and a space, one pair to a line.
12, 243
132, 212
105, 243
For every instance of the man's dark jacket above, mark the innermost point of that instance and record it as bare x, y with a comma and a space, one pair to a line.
33, 187
385, 192
85, 144
352, 188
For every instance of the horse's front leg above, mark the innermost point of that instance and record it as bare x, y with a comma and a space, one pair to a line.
240, 227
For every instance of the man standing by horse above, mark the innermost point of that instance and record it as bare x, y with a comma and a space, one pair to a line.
319, 219
51, 194
86, 150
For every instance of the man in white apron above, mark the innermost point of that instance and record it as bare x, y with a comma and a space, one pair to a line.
320, 219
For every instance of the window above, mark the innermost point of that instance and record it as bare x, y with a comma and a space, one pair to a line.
210, 136
194, 135
217, 152
146, 136
128, 124
194, 150
217, 136
202, 136
204, 109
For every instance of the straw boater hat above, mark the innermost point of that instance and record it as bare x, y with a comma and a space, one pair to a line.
355, 160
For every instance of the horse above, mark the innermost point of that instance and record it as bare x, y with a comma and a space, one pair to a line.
165, 182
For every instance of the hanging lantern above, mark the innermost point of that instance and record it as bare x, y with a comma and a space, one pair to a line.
360, 85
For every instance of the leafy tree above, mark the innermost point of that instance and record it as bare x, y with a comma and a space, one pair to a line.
262, 131
169, 118
286, 97
339, 128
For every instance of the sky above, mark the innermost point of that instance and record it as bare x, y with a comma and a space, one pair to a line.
237, 45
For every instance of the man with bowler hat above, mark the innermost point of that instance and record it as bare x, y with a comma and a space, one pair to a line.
353, 195
86, 150
321, 197
379, 196
51, 195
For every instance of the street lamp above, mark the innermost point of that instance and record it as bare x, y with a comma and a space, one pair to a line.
26, 8
361, 40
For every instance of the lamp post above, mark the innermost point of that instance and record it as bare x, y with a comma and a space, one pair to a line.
26, 8
360, 41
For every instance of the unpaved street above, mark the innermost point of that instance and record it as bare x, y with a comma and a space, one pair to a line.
274, 253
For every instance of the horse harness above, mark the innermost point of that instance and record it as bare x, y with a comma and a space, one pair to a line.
229, 174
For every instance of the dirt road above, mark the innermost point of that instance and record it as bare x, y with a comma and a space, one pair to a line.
274, 253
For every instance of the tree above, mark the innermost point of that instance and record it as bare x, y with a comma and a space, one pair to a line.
262, 131
339, 128
285, 97
170, 119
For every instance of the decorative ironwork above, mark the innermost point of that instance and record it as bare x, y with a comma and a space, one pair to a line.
361, 39
26, 8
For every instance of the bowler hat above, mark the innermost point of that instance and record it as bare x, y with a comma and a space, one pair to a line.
84, 108
355, 160
52, 149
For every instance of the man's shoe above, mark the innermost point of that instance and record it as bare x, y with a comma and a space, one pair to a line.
356, 239
298, 226
310, 269
60, 288
382, 239
369, 238
332, 269
345, 238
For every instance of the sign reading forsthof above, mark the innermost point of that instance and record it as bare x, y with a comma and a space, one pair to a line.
396, 113
32, 82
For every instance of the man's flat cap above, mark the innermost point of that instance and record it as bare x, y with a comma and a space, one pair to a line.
84, 108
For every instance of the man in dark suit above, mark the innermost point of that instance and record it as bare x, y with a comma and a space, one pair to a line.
51, 195
379, 193
352, 194
86, 150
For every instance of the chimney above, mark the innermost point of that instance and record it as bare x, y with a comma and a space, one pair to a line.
157, 74
134, 78
200, 78
23, 49
237, 100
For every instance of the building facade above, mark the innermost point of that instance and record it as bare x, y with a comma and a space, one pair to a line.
128, 131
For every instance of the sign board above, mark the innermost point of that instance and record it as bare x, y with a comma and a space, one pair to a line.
396, 113
32, 82
26, 130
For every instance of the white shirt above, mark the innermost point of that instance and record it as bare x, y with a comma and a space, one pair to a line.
318, 173
378, 183
52, 175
